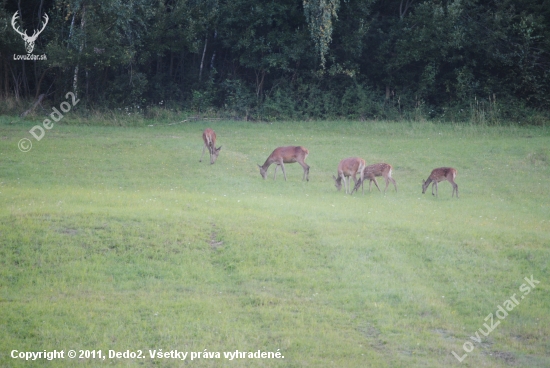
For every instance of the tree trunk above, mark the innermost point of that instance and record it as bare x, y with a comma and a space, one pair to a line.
40, 9
38, 85
259, 84
75, 77
214, 53
202, 60
75, 80
171, 64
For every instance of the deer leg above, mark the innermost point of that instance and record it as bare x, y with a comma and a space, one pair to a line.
455, 189
354, 183
434, 185
387, 184
376, 183
306, 170
356, 187
345, 183
358, 184
212, 153
394, 183
203, 148
275, 175
283, 167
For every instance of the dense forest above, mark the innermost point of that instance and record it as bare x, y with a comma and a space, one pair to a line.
283, 59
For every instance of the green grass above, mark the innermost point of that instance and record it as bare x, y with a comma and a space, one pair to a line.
118, 238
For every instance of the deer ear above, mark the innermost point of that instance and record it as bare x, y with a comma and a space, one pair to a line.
219, 148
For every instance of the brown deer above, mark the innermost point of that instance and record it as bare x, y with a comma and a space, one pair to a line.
349, 167
441, 174
372, 171
209, 138
286, 155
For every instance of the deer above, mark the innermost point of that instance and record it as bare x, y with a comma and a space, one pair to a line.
209, 138
441, 174
349, 167
286, 155
372, 171
29, 41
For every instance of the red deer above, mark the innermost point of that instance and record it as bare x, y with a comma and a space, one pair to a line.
286, 155
209, 138
441, 174
372, 171
349, 167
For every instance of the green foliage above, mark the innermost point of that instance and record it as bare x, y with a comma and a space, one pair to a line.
359, 101
265, 60
320, 101
239, 100
319, 15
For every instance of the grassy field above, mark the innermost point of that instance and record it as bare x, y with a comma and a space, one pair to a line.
117, 238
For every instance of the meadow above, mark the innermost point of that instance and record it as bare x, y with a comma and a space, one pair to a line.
117, 238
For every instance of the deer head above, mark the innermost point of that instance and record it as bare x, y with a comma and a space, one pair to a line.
215, 154
337, 182
29, 41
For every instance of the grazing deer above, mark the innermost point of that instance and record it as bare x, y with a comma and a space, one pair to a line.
209, 138
372, 171
441, 174
349, 167
286, 155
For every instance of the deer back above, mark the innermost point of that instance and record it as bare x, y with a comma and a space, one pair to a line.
209, 137
350, 166
381, 169
288, 154
443, 173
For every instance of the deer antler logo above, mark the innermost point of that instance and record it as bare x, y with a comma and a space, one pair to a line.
29, 41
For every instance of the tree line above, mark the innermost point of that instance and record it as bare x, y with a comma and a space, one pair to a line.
284, 59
